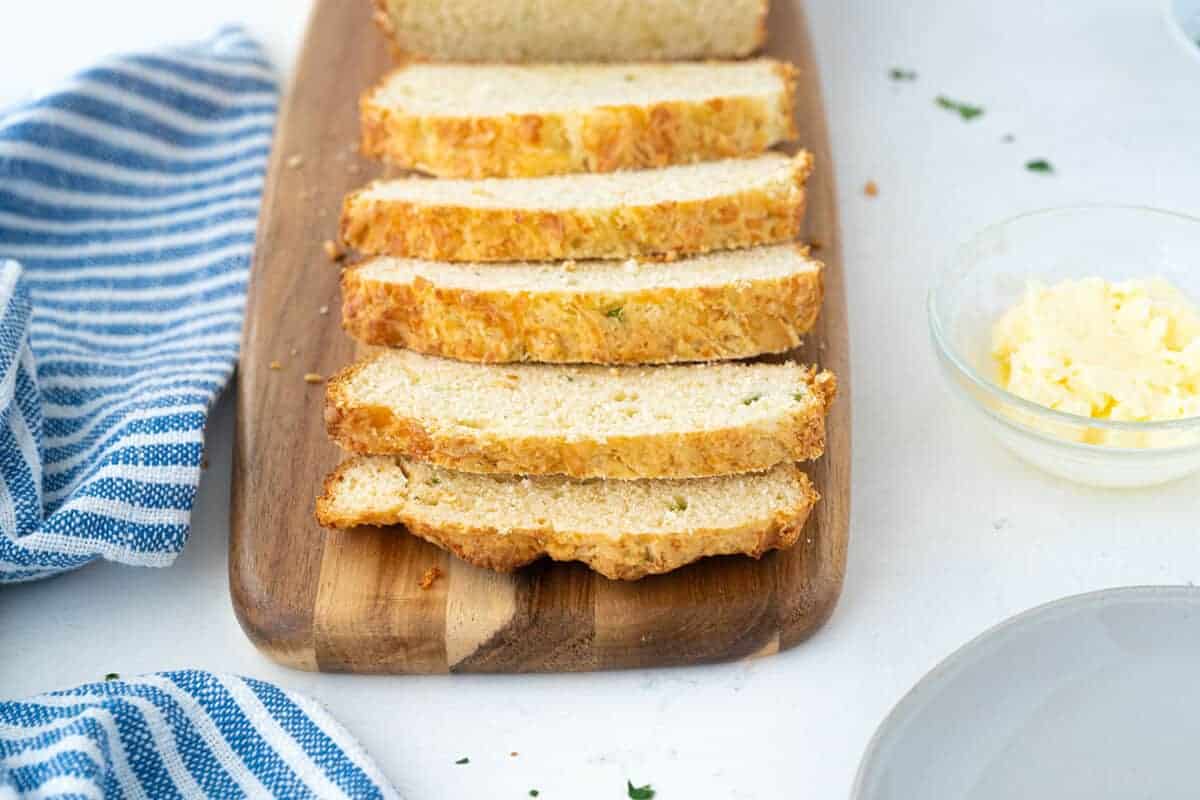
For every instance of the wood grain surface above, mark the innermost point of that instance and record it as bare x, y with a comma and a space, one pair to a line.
351, 601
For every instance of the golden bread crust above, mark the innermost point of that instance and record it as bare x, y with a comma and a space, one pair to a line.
656, 325
600, 139
379, 430
459, 233
628, 556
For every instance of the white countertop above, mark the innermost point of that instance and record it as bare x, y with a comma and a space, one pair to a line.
950, 534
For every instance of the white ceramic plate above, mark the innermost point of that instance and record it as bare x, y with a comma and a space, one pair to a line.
1088, 698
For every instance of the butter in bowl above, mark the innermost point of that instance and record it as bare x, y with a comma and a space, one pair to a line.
1075, 333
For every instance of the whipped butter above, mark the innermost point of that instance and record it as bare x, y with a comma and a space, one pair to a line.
1117, 351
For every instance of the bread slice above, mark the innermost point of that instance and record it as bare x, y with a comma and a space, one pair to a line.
676, 210
731, 304
484, 120
587, 422
621, 529
598, 30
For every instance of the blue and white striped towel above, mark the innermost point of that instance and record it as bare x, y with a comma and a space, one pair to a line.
180, 734
128, 201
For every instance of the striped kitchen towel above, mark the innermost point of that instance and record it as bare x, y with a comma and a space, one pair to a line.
180, 734
128, 201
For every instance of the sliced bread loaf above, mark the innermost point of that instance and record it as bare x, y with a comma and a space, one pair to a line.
685, 209
731, 304
483, 120
605, 422
599, 30
621, 529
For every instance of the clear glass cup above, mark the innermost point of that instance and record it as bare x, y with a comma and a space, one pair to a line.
1183, 17
988, 276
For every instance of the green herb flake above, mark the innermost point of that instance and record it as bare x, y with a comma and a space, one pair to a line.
798, 397
617, 313
435, 480
965, 110
898, 74
463, 760
754, 398
639, 792
678, 503
1039, 165
112, 676
534, 792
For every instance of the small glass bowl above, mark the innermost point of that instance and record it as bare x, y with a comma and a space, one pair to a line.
1183, 17
988, 276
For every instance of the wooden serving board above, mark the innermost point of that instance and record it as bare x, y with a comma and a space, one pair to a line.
351, 601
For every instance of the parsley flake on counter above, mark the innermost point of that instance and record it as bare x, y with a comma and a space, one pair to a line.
534, 792
1039, 165
112, 676
965, 110
639, 792
463, 760
898, 74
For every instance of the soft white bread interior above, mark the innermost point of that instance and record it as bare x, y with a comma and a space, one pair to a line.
723, 305
555, 30
481, 120
585, 421
622, 529
625, 189
488, 90
686, 209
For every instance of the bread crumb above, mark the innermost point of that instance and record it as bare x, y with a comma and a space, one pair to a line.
430, 577
313, 377
332, 251
514, 754
275, 365
295, 161
871, 189
204, 463
816, 244
323, 310
569, 265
